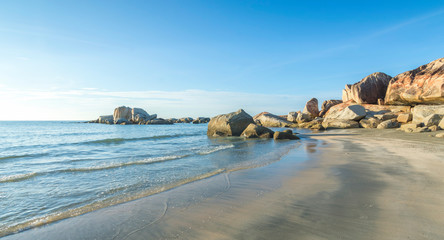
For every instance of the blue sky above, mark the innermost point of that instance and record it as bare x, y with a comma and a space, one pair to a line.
80, 59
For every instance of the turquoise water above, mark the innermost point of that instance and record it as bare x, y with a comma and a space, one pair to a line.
54, 170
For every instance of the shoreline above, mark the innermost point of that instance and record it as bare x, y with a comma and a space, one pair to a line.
369, 184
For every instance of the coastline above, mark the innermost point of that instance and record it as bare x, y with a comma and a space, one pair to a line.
340, 184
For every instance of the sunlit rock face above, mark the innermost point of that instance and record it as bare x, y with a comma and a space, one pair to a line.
424, 85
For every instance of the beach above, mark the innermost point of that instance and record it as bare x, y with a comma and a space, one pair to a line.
340, 184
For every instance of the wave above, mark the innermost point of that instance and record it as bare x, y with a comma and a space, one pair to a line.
121, 140
214, 149
123, 164
7, 230
26, 176
22, 156
18, 177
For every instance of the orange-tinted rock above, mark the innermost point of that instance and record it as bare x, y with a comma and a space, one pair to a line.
326, 105
368, 90
312, 108
424, 85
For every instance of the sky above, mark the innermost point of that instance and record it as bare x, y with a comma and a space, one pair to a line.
76, 60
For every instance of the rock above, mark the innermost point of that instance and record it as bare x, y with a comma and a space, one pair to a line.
200, 120
158, 121
441, 124
138, 115
440, 135
315, 124
368, 90
267, 119
369, 123
338, 123
404, 117
231, 124
326, 105
292, 116
352, 112
385, 116
303, 117
381, 101
388, 124
122, 121
311, 107
185, 120
423, 85
433, 128
284, 135
410, 127
432, 120
123, 114
108, 119
420, 112
255, 131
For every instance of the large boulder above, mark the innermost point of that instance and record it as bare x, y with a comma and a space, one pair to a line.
351, 112
122, 114
158, 121
267, 119
424, 85
108, 119
304, 117
255, 131
420, 112
404, 117
231, 124
326, 105
311, 107
368, 90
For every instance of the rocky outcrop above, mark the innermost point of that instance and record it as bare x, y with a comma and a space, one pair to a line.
255, 131
185, 120
368, 90
107, 119
326, 105
231, 124
286, 134
423, 85
311, 107
267, 119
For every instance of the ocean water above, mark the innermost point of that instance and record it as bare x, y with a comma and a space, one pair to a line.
54, 170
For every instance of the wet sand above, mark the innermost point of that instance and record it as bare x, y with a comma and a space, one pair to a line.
343, 184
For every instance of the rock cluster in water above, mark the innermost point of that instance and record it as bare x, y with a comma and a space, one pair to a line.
126, 115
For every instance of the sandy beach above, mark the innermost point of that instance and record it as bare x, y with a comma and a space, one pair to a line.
341, 184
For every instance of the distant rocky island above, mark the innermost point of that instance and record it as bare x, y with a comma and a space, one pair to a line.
412, 101
125, 115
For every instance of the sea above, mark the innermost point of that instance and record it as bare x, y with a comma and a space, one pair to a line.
52, 170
